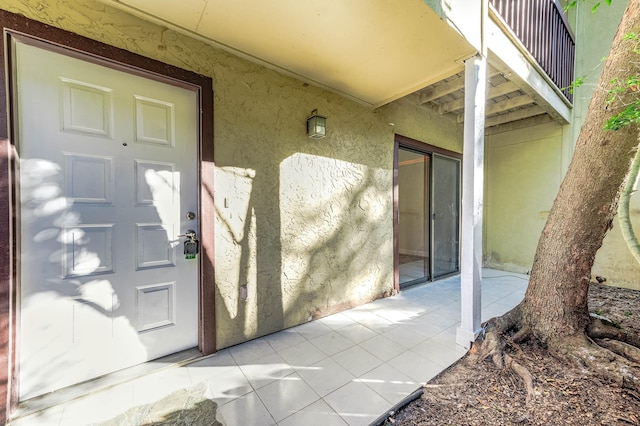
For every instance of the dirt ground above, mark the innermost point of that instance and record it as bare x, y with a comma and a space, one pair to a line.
476, 393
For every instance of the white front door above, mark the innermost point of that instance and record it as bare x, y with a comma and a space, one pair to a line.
108, 172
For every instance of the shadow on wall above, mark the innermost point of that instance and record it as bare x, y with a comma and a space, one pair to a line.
248, 278
324, 243
336, 235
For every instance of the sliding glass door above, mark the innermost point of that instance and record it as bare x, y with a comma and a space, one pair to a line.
428, 215
446, 215
413, 209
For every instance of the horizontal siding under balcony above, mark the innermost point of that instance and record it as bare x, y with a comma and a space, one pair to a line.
542, 28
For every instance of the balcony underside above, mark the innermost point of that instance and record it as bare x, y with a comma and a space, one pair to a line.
510, 103
370, 51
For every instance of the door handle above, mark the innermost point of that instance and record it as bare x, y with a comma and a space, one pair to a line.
190, 234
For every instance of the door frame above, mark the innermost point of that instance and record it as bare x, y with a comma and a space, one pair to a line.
424, 148
16, 27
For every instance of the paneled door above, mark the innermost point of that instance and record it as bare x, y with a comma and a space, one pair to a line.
107, 175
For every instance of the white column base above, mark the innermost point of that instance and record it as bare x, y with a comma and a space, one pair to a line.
465, 338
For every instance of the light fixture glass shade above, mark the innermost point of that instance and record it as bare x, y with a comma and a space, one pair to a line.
316, 126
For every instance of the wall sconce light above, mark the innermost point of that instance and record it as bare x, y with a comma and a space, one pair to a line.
316, 125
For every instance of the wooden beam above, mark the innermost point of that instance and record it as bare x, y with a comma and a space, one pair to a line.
502, 89
521, 124
494, 92
514, 116
502, 106
508, 104
441, 90
456, 105
447, 88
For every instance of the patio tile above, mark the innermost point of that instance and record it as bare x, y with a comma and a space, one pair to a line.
357, 333
286, 396
446, 337
332, 343
284, 339
302, 355
376, 323
325, 376
399, 310
416, 366
317, 414
210, 366
265, 370
389, 383
403, 336
444, 355
357, 404
424, 327
222, 358
312, 329
446, 316
250, 351
383, 348
228, 384
357, 314
493, 310
357, 361
247, 410
336, 321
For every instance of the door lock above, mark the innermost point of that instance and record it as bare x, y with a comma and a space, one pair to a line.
191, 245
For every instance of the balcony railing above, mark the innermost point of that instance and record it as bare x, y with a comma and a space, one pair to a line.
542, 27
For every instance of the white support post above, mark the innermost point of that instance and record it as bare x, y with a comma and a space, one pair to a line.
472, 193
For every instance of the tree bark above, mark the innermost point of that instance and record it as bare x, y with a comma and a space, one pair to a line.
555, 305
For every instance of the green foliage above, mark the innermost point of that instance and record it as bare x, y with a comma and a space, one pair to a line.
631, 114
630, 89
595, 7
623, 95
579, 81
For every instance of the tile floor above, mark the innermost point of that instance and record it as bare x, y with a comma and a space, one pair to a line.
345, 369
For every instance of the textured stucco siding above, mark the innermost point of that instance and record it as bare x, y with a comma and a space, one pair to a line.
522, 177
303, 227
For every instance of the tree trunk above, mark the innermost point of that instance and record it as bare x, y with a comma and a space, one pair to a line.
555, 305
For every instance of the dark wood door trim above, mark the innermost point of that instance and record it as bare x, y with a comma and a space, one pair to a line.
16, 26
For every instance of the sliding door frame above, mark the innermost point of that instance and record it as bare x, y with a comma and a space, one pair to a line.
403, 142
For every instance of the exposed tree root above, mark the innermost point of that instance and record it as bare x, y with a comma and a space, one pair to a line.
494, 342
625, 350
612, 354
524, 374
601, 329
608, 364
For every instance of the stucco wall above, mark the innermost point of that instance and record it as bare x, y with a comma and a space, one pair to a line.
304, 227
522, 177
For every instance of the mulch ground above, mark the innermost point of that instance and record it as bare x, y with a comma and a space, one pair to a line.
476, 393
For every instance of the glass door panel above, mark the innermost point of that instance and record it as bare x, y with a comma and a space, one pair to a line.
413, 210
446, 215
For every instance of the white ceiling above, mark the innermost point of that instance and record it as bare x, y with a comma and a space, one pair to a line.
373, 51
